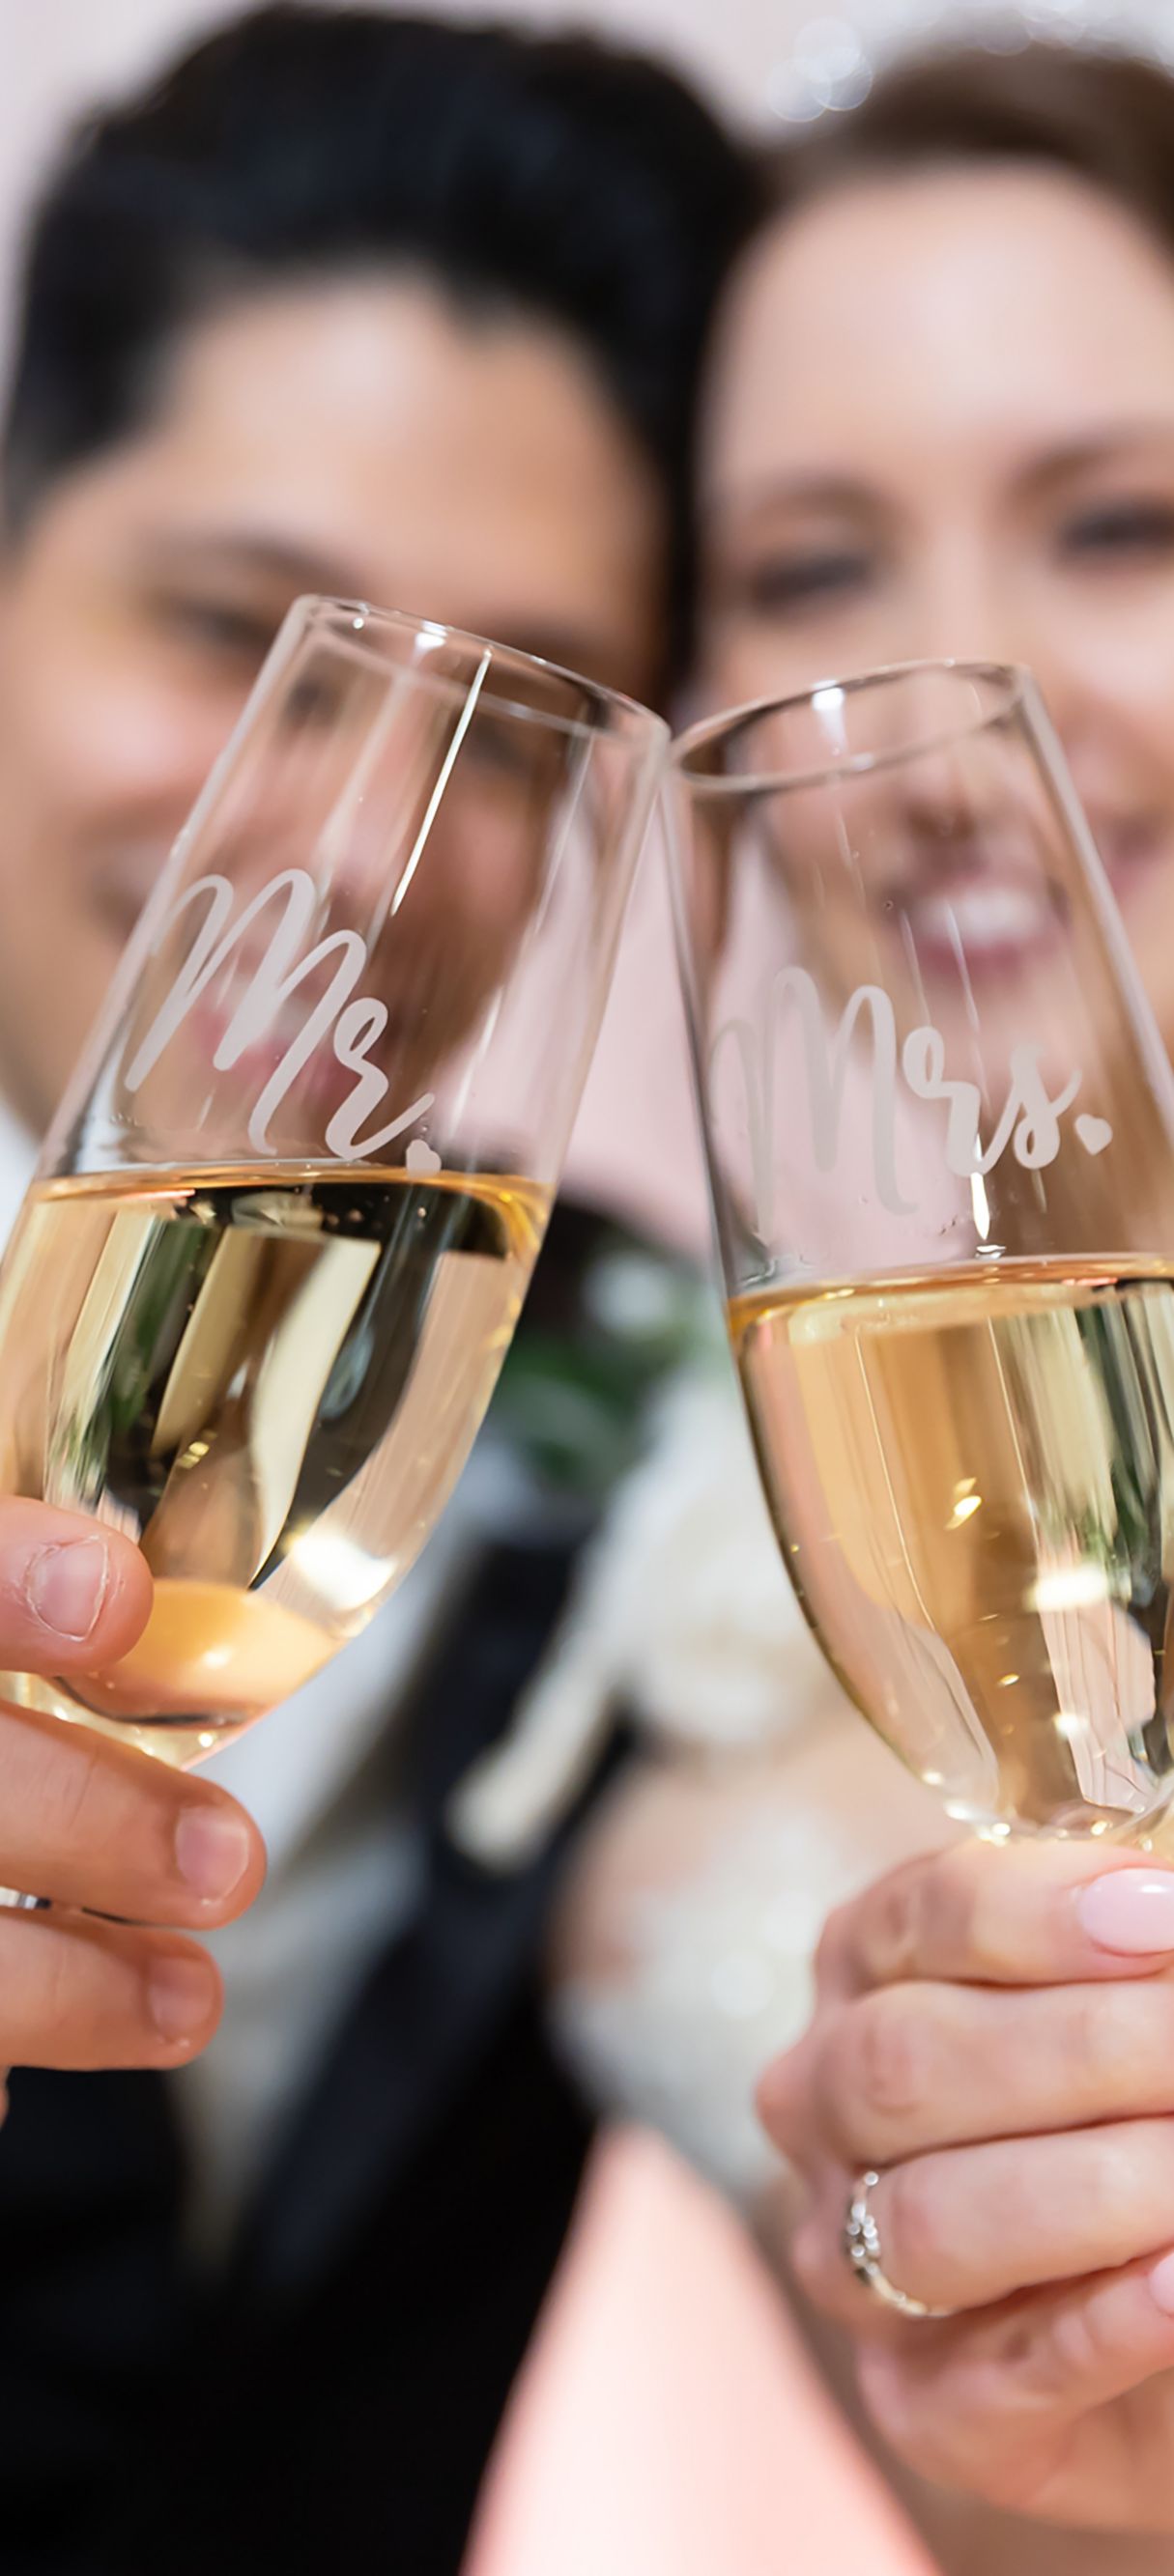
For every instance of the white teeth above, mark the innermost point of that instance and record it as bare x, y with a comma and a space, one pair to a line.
979, 916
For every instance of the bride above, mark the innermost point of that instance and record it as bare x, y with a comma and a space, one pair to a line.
941, 420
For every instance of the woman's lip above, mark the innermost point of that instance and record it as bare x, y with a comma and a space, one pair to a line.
983, 916
986, 922
980, 926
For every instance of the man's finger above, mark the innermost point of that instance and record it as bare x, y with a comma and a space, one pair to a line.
75, 1993
97, 1824
74, 1595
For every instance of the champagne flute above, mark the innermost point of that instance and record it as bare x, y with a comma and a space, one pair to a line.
259, 1292
939, 1126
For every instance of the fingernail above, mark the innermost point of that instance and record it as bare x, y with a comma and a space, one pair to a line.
180, 1993
1162, 2285
212, 1850
66, 1586
1132, 1912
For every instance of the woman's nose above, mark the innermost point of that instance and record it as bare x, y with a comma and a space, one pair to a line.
965, 611
973, 609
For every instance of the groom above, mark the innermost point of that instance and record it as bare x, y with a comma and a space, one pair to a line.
390, 309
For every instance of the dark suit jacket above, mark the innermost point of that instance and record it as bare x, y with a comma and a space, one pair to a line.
328, 2400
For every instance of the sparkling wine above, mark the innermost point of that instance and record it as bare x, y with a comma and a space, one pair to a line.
971, 1474
271, 1381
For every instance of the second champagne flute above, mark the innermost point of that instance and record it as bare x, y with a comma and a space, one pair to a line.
940, 1132
257, 1298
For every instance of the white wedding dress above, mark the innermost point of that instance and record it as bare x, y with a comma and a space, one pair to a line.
758, 1802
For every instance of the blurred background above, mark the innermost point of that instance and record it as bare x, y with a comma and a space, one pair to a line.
786, 58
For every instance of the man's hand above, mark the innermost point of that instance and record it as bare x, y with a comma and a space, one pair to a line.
100, 1828
994, 2033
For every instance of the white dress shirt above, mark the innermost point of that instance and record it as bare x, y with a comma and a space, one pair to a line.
344, 1870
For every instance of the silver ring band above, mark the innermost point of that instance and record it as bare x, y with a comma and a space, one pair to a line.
862, 2246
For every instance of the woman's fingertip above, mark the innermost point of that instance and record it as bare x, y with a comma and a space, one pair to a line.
1131, 1913
1161, 2285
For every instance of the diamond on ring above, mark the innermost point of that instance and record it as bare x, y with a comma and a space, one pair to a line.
862, 2245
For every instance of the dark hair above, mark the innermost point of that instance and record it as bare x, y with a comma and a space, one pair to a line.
1107, 118
554, 175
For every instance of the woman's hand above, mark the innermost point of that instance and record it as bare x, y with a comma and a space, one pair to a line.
99, 1828
994, 2033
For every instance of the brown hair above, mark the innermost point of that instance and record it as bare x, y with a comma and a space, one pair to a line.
1108, 118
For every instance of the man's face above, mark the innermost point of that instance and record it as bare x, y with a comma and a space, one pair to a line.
362, 438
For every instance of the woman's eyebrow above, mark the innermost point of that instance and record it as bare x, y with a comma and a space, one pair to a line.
1117, 442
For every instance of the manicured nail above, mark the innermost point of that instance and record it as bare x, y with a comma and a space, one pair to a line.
1162, 2285
180, 1992
65, 1586
1131, 1913
212, 1850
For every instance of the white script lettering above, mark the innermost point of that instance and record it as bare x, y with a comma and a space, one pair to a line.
274, 980
1029, 1122
826, 1067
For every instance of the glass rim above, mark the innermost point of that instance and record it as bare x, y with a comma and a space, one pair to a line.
1013, 679
635, 720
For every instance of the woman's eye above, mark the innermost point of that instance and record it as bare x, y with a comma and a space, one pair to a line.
796, 581
1121, 528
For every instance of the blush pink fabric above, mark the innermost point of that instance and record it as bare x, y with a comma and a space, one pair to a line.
667, 2421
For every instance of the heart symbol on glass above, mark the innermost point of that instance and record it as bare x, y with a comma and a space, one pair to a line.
421, 1157
1094, 1133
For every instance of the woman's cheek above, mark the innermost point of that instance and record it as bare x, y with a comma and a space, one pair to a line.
1118, 639
1148, 913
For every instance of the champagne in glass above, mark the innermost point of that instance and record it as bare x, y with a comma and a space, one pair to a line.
258, 1295
939, 1126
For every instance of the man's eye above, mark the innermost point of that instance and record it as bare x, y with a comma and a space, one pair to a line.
316, 697
795, 581
1121, 528
520, 753
242, 634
